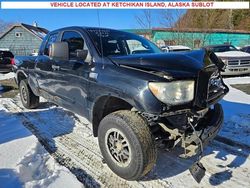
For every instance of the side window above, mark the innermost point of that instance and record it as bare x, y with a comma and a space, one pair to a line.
52, 39
111, 47
75, 42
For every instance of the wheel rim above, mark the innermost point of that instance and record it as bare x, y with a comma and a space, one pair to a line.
24, 94
118, 147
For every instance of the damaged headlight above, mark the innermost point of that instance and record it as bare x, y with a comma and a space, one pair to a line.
173, 93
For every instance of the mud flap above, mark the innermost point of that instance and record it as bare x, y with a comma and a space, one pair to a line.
197, 170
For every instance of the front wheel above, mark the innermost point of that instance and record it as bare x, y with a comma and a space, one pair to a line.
127, 144
28, 98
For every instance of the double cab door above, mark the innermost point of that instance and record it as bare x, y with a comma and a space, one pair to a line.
65, 82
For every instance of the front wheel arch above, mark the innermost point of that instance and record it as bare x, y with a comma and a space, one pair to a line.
21, 76
104, 106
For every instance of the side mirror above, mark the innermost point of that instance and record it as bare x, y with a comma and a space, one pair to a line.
59, 51
82, 54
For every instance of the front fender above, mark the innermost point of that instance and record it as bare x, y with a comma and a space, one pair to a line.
133, 90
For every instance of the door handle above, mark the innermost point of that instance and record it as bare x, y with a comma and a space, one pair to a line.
55, 67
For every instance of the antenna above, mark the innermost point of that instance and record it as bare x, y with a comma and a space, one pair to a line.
100, 34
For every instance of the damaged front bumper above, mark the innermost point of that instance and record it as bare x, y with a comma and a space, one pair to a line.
206, 128
213, 122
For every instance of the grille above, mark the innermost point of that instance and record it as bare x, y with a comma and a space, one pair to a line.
209, 87
215, 87
242, 62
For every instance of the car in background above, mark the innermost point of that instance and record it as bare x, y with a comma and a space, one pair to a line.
175, 48
237, 62
6, 61
246, 49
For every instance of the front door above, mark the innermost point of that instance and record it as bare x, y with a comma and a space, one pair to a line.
72, 76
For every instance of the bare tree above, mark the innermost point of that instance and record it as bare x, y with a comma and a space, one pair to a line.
170, 19
200, 23
145, 20
4, 26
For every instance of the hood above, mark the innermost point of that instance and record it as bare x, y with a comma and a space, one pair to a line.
181, 64
232, 54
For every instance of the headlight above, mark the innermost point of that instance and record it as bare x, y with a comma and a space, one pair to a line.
225, 61
176, 92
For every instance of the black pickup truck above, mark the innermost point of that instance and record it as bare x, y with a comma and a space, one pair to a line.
136, 97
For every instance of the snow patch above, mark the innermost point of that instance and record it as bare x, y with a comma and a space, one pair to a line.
236, 105
23, 160
33, 169
7, 76
237, 80
234, 94
38, 168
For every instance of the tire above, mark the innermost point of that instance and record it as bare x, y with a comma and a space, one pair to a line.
28, 98
137, 146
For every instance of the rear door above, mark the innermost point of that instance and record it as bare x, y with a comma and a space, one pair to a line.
43, 73
72, 76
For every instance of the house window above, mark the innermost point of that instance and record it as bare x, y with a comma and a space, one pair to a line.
18, 34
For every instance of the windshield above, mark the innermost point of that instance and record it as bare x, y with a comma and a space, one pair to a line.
120, 43
223, 48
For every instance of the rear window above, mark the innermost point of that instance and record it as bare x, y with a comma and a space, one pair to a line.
4, 54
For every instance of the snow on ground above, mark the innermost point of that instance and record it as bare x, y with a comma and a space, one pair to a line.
69, 140
7, 76
236, 107
235, 94
24, 161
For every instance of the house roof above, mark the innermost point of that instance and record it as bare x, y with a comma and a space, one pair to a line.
36, 31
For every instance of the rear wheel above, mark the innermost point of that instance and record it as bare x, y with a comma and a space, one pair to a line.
127, 144
28, 98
